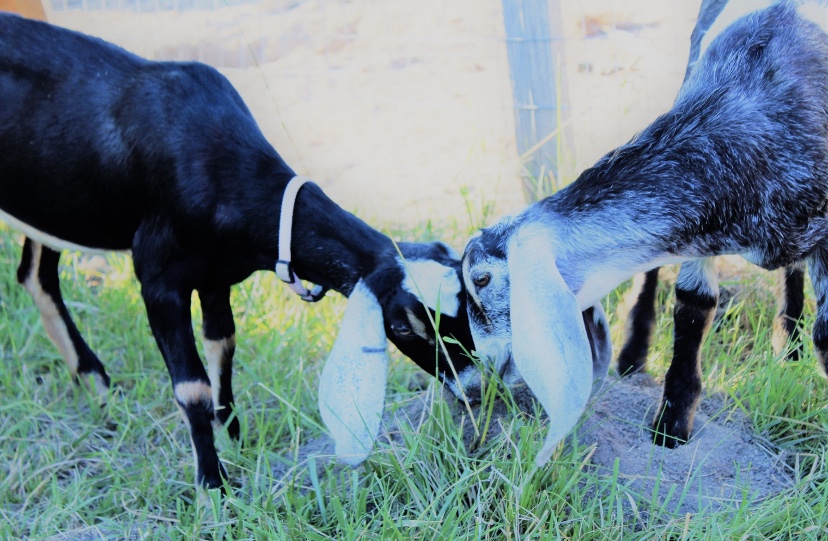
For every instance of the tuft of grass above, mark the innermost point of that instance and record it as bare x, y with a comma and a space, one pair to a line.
70, 469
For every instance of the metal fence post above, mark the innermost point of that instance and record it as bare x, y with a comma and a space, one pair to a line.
535, 48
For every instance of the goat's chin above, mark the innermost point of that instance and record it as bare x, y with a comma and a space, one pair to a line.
510, 374
469, 383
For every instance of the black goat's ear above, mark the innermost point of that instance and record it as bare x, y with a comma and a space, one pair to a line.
448, 250
550, 345
352, 385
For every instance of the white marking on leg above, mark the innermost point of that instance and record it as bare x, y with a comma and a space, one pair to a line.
218, 354
434, 281
779, 336
193, 392
52, 322
699, 275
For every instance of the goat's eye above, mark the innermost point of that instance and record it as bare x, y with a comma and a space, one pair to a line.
482, 280
401, 329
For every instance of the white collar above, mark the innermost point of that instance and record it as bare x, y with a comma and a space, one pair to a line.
284, 269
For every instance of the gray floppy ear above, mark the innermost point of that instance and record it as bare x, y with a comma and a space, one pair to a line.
549, 342
352, 385
600, 343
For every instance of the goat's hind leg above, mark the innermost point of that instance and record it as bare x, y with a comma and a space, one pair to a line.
790, 301
697, 294
818, 269
640, 324
38, 273
219, 339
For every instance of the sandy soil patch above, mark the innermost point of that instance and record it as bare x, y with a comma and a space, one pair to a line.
723, 461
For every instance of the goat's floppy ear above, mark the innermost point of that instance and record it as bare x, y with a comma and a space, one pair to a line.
549, 342
352, 385
598, 333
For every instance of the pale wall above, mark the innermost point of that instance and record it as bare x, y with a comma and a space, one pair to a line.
396, 107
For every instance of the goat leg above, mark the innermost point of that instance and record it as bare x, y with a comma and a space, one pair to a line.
818, 269
790, 300
167, 292
38, 273
640, 325
219, 340
697, 294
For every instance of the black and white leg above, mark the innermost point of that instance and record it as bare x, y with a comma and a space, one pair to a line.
38, 273
219, 342
818, 269
790, 299
167, 291
697, 294
640, 324
168, 311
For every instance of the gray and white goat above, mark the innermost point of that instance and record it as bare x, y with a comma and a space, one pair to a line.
739, 165
714, 15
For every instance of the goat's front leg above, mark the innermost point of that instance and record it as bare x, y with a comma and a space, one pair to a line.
219, 341
640, 324
167, 299
790, 299
38, 273
697, 294
818, 269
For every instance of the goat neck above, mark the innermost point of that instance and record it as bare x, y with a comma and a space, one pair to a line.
332, 247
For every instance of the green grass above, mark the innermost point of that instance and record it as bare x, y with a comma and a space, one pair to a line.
69, 467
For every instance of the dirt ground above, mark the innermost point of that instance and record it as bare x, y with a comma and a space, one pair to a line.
723, 463
402, 110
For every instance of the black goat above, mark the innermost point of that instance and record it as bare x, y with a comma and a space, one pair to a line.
103, 150
739, 165
641, 319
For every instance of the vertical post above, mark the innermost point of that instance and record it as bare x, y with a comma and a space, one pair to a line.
535, 47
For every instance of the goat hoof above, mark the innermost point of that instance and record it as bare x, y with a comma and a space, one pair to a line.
234, 429
793, 355
629, 368
216, 480
663, 437
670, 442
229, 422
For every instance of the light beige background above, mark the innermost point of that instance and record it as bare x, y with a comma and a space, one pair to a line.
402, 110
